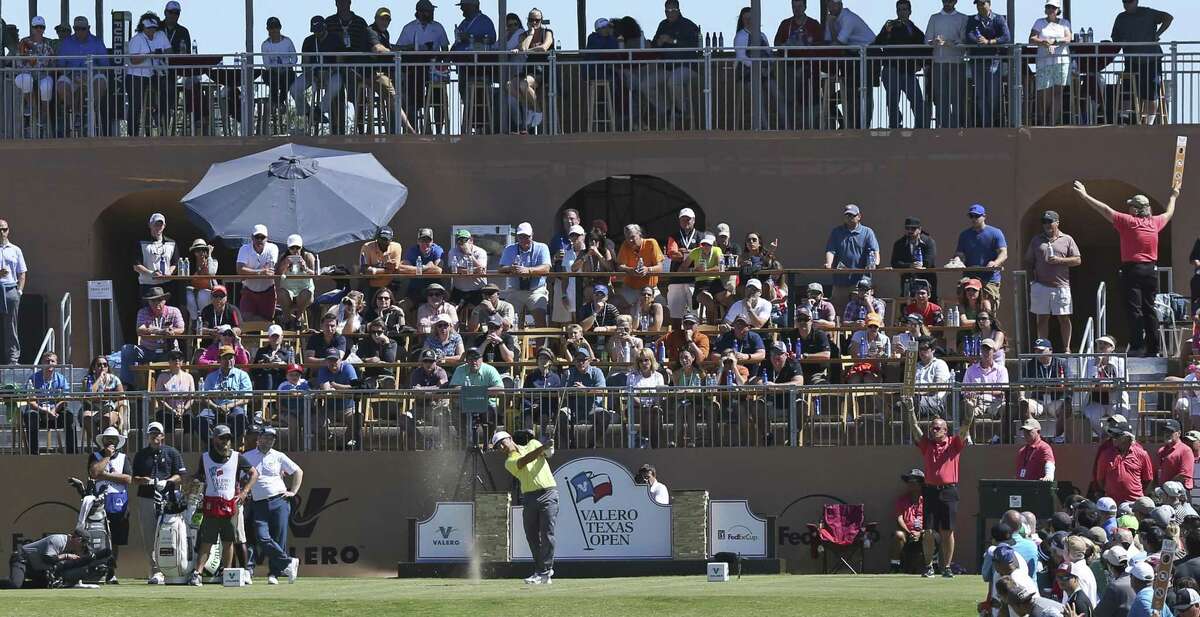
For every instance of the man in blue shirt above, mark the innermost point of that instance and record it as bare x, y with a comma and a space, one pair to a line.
990, 32
583, 375
851, 245
747, 345
72, 84
47, 384
1141, 578
476, 32
982, 245
528, 294
429, 255
231, 411
336, 374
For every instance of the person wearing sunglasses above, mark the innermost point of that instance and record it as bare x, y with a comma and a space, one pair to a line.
941, 452
258, 258
104, 412
1142, 24
915, 249
850, 245
983, 246
12, 286
72, 85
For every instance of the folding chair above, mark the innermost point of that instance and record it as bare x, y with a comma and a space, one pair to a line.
842, 532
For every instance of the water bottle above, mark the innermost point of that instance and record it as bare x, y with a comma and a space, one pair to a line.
1090, 35
763, 377
420, 265
862, 347
662, 353
708, 39
721, 40
799, 346
729, 381
162, 264
640, 264
918, 256
862, 311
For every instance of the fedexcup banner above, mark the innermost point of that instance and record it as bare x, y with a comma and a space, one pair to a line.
733, 528
602, 514
447, 534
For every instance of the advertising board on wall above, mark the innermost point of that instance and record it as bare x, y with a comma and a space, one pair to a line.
733, 528
448, 533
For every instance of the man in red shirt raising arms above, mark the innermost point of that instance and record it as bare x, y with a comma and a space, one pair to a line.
1138, 232
1175, 458
941, 452
910, 519
1125, 471
1035, 459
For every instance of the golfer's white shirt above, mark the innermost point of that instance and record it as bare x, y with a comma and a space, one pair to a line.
659, 494
271, 467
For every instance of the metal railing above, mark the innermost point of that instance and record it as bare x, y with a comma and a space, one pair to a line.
66, 329
1102, 309
591, 91
1070, 409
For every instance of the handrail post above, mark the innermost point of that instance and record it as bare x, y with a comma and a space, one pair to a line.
1016, 89
1174, 83
708, 90
247, 94
552, 100
91, 97
397, 105
793, 424
864, 90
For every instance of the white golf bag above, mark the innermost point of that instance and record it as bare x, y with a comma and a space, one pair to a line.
178, 525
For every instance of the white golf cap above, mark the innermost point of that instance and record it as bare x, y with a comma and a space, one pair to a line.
755, 283
275, 329
259, 230
37, 20
722, 230
1106, 504
294, 240
576, 229
498, 437
1108, 339
1055, 3
1031, 425
155, 427
708, 239
1116, 555
525, 229
1141, 571
156, 218
688, 212
1174, 489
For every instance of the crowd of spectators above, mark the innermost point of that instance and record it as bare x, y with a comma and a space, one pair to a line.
338, 67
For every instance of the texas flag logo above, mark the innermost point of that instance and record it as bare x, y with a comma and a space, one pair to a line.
586, 484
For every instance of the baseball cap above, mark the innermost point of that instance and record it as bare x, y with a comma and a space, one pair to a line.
600, 289
384, 232
1183, 598
971, 283
976, 210
226, 330
1174, 489
576, 230
816, 287
722, 230
688, 212
851, 209
219, 289
254, 429
259, 230
1054, 3
691, 316
582, 352
1004, 554
150, 22
227, 350
294, 368
708, 239
442, 318
864, 283
1106, 504
1031, 425
462, 233
1139, 201
275, 329
434, 287
333, 352
495, 320
912, 221
755, 283
273, 22
779, 347
490, 288
172, 6
425, 5
742, 318
499, 436
382, 11
525, 229
913, 474
37, 20
295, 240
1064, 569
316, 23
472, 353
1108, 339
268, 430
81, 22
874, 320
1191, 436
157, 217
424, 232
1141, 571
1172, 425
221, 430
154, 427
1116, 555
467, 2
1042, 344
1162, 516
546, 351
1143, 503
602, 23
987, 342
1049, 216
914, 318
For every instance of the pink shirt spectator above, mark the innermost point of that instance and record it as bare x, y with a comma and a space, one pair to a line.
1139, 236
170, 317
212, 355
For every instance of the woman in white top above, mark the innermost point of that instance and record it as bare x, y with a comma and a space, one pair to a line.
1105, 399
144, 78
647, 314
747, 55
279, 54
1051, 35
647, 409
623, 347
536, 42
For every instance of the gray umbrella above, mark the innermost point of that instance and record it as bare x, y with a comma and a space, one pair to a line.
330, 197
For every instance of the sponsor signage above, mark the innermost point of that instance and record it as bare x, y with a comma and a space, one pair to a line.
733, 528
447, 534
602, 514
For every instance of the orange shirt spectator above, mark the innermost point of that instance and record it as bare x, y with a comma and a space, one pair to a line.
381, 256
635, 246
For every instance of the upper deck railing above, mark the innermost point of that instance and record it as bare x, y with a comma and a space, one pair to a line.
600, 91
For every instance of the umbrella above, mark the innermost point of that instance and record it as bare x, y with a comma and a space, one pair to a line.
330, 197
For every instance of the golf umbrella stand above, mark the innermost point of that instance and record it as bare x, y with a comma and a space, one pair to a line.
330, 197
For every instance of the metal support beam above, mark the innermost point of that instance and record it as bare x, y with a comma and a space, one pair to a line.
1067, 10
249, 26
33, 10
502, 21
580, 18
757, 121
823, 7
99, 23
1012, 19
64, 12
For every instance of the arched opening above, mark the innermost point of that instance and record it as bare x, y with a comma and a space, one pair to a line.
117, 232
1099, 247
648, 201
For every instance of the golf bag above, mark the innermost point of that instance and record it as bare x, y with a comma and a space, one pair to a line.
92, 524
179, 519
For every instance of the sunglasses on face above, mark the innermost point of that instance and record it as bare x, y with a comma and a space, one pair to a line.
260, 237
974, 216
375, 332
443, 325
102, 365
435, 294
937, 429
218, 295
4, 229
911, 228
384, 298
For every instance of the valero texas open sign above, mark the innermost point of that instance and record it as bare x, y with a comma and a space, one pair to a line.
602, 514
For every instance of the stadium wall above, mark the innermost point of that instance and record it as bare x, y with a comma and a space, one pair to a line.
352, 520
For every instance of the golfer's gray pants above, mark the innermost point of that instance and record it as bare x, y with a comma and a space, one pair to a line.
541, 510
148, 528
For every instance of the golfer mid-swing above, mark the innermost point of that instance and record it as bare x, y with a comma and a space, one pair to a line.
539, 495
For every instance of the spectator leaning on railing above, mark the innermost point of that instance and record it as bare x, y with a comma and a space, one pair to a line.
1042, 399
228, 408
675, 78
423, 33
987, 32
850, 245
985, 403
531, 261
72, 86
845, 27
156, 256
338, 375
983, 246
467, 258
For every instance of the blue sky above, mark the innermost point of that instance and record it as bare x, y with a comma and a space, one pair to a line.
217, 25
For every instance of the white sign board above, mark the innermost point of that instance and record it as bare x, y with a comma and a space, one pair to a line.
447, 534
602, 514
733, 528
100, 290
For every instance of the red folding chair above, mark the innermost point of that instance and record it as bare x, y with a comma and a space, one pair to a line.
843, 532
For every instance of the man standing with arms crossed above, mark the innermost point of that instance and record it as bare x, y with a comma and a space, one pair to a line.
1138, 231
941, 453
539, 495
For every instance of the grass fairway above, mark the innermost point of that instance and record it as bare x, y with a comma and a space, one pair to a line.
818, 596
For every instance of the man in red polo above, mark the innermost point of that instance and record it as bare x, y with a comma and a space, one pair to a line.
1175, 458
1125, 472
1035, 459
910, 519
941, 452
